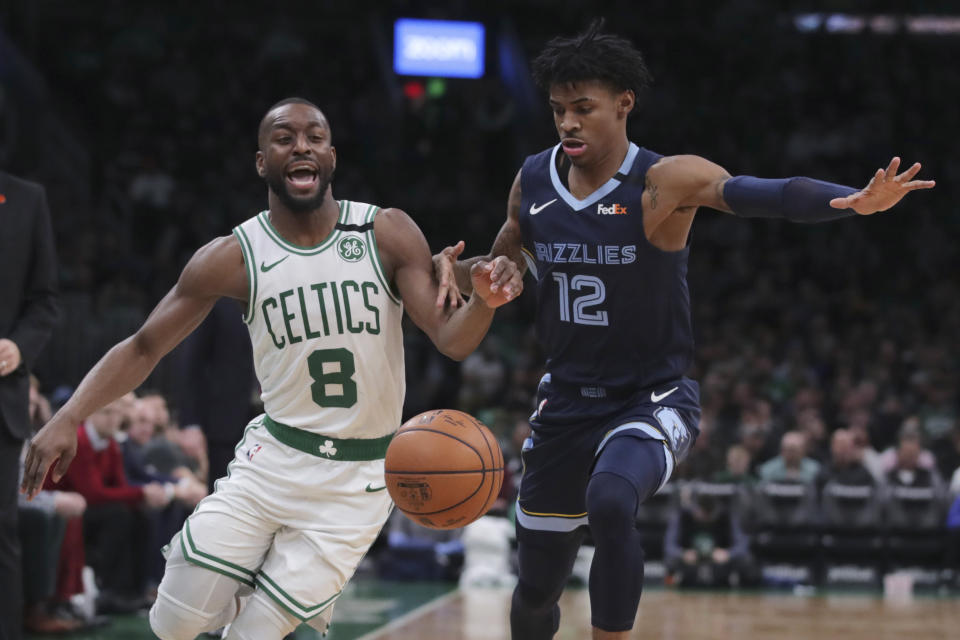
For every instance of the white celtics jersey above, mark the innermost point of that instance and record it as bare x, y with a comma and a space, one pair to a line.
325, 327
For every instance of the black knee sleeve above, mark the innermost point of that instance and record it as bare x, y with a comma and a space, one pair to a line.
626, 473
612, 506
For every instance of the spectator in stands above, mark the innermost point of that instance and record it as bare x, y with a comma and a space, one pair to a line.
172, 451
193, 444
909, 430
186, 488
705, 545
858, 427
754, 438
52, 558
42, 523
113, 525
791, 465
738, 467
938, 413
810, 423
908, 472
140, 431
845, 466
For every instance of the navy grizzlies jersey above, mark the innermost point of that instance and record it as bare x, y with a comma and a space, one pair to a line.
613, 311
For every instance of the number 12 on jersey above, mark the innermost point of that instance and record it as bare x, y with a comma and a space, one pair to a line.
590, 293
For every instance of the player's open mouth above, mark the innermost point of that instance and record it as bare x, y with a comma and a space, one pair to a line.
302, 177
573, 147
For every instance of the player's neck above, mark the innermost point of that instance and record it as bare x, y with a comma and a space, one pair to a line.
304, 228
585, 179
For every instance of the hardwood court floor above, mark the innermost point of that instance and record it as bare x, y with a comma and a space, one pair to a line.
670, 615
378, 610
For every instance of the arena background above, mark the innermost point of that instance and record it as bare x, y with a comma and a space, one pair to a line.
140, 119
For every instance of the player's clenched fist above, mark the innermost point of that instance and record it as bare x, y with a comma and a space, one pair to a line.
497, 281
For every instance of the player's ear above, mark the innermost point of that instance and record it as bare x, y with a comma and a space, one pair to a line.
333, 150
261, 169
625, 103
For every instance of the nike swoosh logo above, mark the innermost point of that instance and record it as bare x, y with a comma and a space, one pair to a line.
264, 268
534, 209
370, 488
655, 397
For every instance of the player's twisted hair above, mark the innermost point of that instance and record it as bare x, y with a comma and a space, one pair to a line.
592, 55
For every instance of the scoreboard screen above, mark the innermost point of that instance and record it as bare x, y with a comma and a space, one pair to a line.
439, 48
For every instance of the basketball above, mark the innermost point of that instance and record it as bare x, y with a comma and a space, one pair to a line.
444, 469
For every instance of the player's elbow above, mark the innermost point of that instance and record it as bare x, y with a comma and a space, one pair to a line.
455, 347
455, 352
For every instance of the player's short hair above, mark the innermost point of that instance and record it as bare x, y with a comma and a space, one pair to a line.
592, 55
292, 100
261, 130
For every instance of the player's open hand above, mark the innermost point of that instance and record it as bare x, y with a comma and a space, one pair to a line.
497, 282
443, 262
56, 442
884, 190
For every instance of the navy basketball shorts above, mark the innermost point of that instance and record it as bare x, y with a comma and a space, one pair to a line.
559, 460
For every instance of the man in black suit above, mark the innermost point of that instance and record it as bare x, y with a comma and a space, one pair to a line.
28, 313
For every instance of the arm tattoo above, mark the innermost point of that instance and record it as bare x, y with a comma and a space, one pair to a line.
652, 189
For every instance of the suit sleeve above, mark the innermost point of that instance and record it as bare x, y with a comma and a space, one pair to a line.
40, 311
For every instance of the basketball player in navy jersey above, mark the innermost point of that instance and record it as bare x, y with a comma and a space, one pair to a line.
603, 224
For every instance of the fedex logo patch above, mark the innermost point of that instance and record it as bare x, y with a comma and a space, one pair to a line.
611, 210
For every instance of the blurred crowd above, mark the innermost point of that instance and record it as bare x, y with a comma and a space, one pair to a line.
135, 478
827, 354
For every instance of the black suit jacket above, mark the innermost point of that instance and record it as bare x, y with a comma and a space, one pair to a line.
28, 296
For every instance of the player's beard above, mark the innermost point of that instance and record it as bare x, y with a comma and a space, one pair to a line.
278, 184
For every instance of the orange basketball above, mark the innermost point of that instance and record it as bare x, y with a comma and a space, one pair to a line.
444, 469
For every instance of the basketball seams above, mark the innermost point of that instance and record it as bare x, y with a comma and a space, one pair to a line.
433, 455
486, 504
482, 471
439, 473
453, 506
443, 433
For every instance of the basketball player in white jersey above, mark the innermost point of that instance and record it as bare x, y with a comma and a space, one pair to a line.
324, 283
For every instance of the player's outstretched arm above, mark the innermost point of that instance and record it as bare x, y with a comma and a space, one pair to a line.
691, 181
406, 256
454, 276
215, 270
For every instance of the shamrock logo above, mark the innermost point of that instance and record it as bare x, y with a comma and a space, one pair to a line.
328, 449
